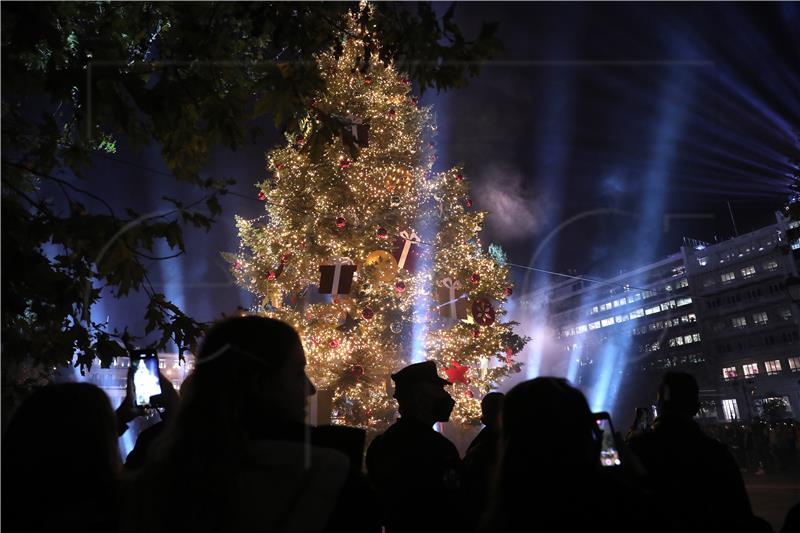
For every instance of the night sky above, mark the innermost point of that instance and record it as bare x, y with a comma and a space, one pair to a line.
639, 120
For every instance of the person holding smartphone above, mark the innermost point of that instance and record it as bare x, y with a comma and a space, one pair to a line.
694, 477
164, 402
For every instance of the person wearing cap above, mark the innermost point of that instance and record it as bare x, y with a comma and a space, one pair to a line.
415, 470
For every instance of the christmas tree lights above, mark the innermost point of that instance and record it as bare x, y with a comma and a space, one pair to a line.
343, 220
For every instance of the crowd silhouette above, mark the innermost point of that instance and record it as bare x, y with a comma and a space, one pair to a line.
234, 453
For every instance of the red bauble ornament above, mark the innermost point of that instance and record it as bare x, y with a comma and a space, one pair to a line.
368, 313
400, 286
285, 258
382, 233
469, 394
476, 333
357, 371
509, 351
391, 113
300, 139
459, 177
340, 222
406, 81
279, 166
468, 202
368, 80
334, 343
272, 275
237, 265
483, 312
344, 163
508, 291
475, 278
262, 195
413, 100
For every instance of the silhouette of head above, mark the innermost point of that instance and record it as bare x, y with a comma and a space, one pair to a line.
678, 394
62, 441
548, 427
492, 409
256, 365
420, 394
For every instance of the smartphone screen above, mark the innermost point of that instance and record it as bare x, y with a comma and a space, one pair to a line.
145, 382
609, 454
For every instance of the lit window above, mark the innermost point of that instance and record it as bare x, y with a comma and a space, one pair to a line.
739, 322
794, 364
652, 310
727, 277
731, 409
682, 283
684, 301
750, 369
637, 314
702, 261
748, 272
760, 319
595, 309
695, 337
607, 322
594, 325
729, 372
773, 367
771, 265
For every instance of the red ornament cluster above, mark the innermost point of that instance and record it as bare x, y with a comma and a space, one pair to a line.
400, 286
340, 222
382, 233
344, 164
459, 177
468, 202
334, 343
475, 278
262, 195
272, 275
368, 313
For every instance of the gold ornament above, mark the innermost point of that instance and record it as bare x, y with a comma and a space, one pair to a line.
382, 265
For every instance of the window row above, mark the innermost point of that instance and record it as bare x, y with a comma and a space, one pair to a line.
664, 324
624, 317
772, 368
747, 295
787, 337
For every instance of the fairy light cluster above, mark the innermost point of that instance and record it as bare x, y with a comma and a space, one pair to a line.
341, 208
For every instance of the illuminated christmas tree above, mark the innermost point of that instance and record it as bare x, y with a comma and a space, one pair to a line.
372, 257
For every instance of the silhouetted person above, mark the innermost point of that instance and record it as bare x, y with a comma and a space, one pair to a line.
480, 460
491, 413
238, 456
417, 471
550, 477
695, 478
61, 462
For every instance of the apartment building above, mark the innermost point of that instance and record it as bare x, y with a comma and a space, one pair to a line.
721, 312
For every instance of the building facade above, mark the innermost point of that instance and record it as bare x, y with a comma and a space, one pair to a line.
720, 312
